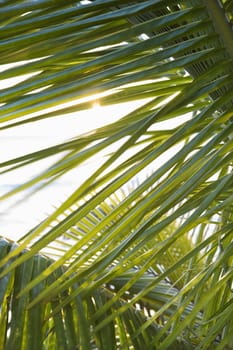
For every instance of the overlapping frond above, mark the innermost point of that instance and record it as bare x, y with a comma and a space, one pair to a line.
151, 268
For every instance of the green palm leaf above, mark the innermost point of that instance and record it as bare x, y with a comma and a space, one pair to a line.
113, 267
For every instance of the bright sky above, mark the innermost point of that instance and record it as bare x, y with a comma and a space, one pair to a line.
19, 216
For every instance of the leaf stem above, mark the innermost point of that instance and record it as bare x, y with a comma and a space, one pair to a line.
221, 24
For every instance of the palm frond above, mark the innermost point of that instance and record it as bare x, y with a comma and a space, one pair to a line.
151, 267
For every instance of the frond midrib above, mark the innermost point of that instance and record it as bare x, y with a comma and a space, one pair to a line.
221, 24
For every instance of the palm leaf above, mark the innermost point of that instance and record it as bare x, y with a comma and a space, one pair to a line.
110, 269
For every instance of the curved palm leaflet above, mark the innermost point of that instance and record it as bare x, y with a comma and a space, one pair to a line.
119, 265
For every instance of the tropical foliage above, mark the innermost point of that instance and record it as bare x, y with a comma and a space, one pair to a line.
148, 267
